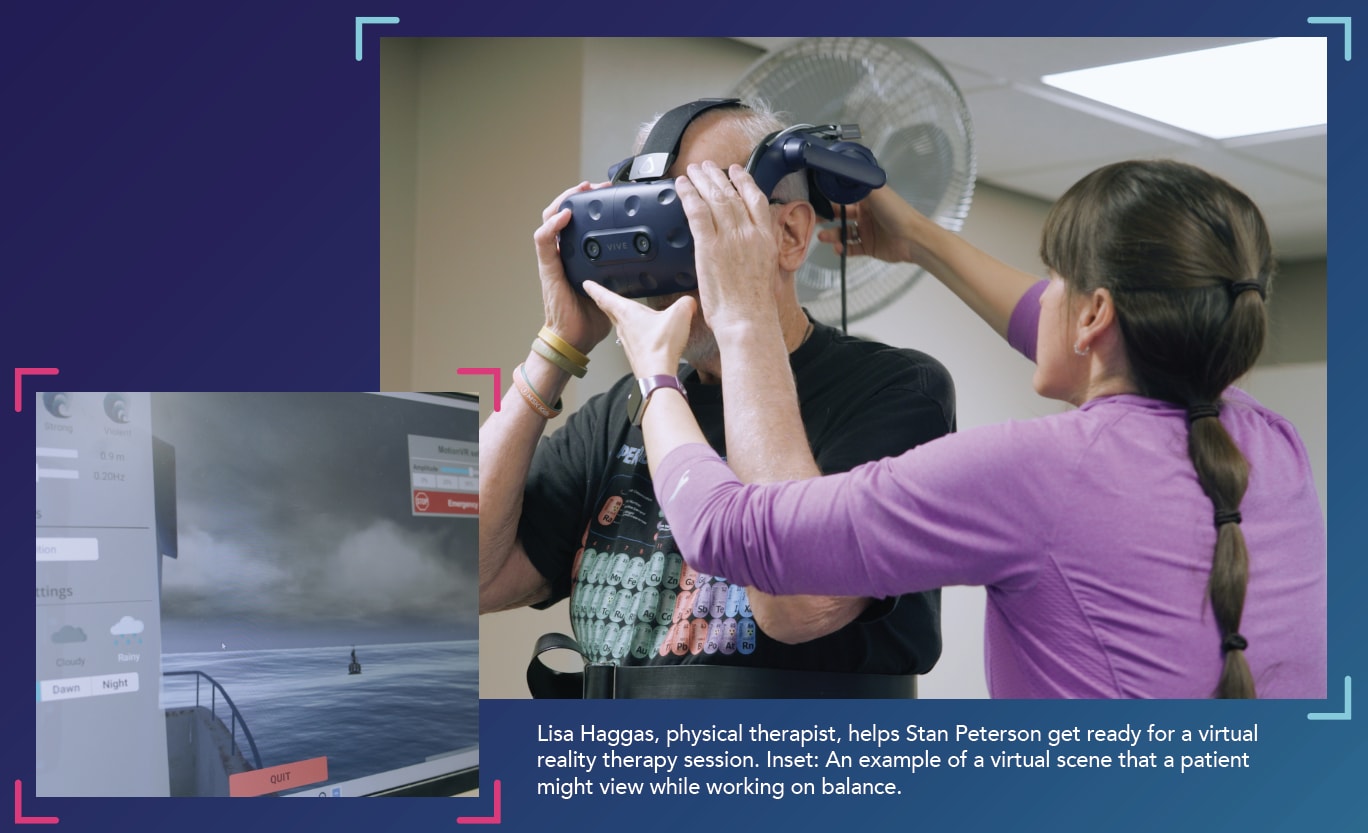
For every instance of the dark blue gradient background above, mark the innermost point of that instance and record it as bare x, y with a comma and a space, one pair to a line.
191, 202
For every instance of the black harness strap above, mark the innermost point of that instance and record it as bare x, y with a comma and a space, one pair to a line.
607, 681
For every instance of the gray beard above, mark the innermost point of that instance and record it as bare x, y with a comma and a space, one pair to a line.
700, 351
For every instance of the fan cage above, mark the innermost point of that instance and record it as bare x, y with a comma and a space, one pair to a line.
911, 115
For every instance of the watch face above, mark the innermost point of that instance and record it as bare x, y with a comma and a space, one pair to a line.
641, 394
635, 403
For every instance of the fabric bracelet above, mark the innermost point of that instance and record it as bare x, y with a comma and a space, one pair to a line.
527, 380
531, 397
563, 347
546, 351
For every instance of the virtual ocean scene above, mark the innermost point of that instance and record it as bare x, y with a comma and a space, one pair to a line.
408, 702
339, 623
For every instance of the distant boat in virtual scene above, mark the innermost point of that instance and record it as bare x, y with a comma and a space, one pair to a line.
354, 667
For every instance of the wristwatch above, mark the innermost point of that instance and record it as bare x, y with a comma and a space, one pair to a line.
641, 394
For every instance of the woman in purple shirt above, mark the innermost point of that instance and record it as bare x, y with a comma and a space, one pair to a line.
1163, 539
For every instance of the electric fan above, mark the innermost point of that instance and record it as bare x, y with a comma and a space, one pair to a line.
910, 114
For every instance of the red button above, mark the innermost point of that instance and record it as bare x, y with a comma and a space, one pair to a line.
276, 778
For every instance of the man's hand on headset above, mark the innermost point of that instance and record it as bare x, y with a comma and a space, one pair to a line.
735, 250
569, 314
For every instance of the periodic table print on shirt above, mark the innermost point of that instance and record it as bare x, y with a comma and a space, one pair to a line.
634, 601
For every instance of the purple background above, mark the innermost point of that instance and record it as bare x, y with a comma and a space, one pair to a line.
191, 203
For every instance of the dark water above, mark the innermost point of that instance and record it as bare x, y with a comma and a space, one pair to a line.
409, 703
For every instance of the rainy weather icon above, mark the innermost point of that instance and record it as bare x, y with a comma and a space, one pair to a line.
69, 633
129, 630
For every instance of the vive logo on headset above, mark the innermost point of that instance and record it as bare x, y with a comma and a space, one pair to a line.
633, 237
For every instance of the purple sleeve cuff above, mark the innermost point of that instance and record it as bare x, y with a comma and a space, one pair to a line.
1025, 321
676, 460
684, 483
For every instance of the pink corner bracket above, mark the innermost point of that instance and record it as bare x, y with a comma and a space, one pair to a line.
497, 818
19, 374
487, 371
20, 818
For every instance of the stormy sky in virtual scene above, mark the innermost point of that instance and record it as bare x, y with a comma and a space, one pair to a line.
295, 526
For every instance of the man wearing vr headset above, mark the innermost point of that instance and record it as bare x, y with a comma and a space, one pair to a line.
576, 515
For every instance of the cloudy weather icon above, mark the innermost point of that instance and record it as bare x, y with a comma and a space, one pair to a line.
69, 634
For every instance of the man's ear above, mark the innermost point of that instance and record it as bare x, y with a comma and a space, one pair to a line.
797, 223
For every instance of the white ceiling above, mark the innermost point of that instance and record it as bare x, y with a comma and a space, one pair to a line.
1038, 140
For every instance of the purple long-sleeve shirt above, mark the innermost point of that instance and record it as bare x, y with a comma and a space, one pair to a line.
1088, 529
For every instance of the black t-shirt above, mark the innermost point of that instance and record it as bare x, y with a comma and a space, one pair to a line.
591, 525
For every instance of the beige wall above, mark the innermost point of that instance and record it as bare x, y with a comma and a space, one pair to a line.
398, 202
499, 127
489, 148
1296, 312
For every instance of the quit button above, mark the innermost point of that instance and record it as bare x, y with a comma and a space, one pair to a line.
277, 778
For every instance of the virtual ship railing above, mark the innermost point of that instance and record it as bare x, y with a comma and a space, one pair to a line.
236, 719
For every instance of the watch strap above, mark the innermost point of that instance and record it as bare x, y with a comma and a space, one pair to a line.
648, 385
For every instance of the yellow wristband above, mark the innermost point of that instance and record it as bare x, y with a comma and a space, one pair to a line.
549, 353
563, 347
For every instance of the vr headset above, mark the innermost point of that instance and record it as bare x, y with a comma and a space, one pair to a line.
633, 237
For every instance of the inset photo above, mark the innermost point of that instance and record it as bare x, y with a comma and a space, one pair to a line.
249, 594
